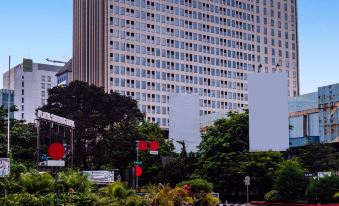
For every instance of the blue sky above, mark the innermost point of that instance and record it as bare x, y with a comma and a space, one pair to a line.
41, 29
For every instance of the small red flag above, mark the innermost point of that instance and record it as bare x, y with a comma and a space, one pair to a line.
142, 145
138, 171
154, 146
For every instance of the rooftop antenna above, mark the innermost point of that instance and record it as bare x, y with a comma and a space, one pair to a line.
55, 61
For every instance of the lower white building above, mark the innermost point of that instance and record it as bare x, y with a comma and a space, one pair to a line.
30, 83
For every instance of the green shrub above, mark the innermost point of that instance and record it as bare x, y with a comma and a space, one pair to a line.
198, 185
209, 200
323, 189
74, 199
26, 199
336, 196
136, 201
36, 182
17, 169
73, 181
115, 194
271, 196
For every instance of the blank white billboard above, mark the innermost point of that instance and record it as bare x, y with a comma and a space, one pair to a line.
268, 112
184, 120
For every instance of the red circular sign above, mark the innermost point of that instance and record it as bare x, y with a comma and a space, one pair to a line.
142, 145
154, 146
138, 171
56, 151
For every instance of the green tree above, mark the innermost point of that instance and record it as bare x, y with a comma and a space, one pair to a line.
323, 189
105, 124
260, 167
22, 139
152, 164
224, 159
218, 151
181, 167
318, 157
290, 181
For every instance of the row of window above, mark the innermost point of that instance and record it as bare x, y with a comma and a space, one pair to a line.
172, 76
200, 5
193, 81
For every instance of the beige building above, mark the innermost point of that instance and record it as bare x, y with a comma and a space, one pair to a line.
149, 49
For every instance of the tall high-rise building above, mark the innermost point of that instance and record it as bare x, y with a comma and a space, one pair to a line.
30, 83
149, 49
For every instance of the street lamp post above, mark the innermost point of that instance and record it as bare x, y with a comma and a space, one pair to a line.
247, 183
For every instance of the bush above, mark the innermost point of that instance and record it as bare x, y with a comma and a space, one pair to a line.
116, 190
73, 181
26, 199
198, 185
17, 169
136, 201
209, 200
83, 199
323, 189
271, 196
36, 182
181, 196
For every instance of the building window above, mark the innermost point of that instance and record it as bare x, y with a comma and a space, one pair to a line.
49, 79
43, 78
43, 86
22, 100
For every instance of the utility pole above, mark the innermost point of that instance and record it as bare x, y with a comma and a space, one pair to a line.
9, 106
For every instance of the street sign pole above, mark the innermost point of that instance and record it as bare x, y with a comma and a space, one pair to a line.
247, 194
56, 186
247, 183
137, 178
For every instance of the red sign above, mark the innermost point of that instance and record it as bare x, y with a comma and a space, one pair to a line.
154, 146
56, 151
142, 145
138, 171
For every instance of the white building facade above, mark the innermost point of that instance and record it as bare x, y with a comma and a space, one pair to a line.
30, 82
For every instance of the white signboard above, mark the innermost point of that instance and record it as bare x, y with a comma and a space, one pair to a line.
154, 152
4, 167
55, 118
52, 163
100, 177
184, 120
268, 111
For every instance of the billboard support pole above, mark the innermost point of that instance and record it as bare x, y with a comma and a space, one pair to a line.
9, 106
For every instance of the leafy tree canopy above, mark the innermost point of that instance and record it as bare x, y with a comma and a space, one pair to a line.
318, 157
290, 181
105, 124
